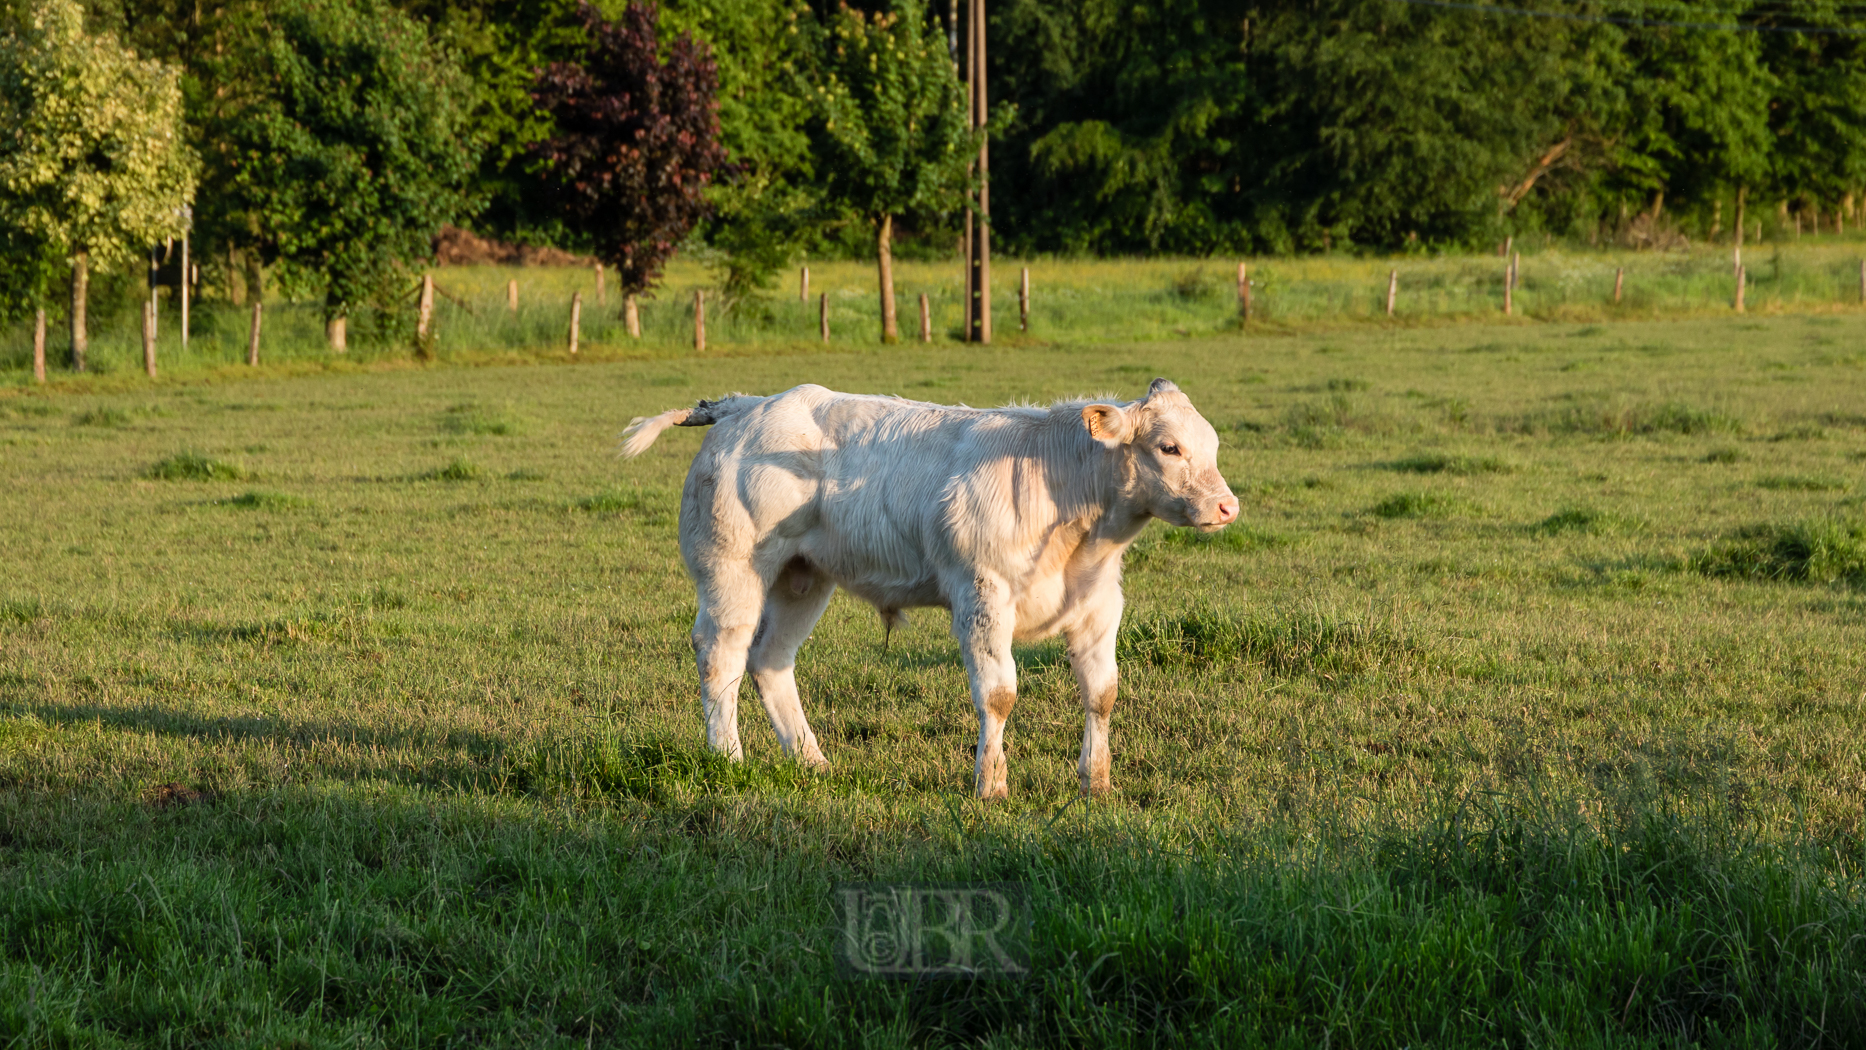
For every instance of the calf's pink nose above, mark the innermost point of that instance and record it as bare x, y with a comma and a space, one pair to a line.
1227, 510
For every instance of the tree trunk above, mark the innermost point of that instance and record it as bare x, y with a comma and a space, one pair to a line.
255, 275
336, 331
80, 291
884, 257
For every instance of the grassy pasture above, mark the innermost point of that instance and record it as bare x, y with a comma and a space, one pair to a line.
1074, 301
1522, 707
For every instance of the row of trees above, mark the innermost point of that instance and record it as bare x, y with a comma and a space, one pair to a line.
323, 141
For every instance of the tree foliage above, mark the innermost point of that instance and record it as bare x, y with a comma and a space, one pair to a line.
890, 128
636, 140
92, 155
339, 139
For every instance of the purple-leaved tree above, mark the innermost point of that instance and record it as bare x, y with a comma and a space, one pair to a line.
636, 140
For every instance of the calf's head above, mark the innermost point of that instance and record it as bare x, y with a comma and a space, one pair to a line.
1171, 454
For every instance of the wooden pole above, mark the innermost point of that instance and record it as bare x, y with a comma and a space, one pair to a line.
699, 321
149, 338
576, 320
631, 316
926, 316
822, 315
38, 341
1243, 296
1392, 290
337, 330
1023, 301
511, 296
184, 291
803, 285
1619, 278
424, 317
884, 262
980, 288
1739, 289
602, 292
252, 338
1509, 288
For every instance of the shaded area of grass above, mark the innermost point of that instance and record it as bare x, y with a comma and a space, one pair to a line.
1826, 551
458, 470
1214, 642
1588, 520
260, 499
193, 466
1415, 505
1513, 918
1448, 463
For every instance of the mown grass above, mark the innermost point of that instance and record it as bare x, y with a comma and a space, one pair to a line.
366, 755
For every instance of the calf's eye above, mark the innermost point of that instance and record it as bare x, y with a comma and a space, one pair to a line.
1170, 450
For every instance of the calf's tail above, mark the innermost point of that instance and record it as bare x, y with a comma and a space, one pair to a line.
642, 430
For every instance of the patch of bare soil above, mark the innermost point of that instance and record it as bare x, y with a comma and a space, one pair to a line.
454, 246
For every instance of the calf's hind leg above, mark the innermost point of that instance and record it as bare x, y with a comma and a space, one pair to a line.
731, 600
793, 604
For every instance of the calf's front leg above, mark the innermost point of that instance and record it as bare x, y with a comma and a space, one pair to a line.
983, 621
1091, 656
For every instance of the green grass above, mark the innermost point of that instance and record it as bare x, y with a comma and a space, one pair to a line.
1074, 302
1807, 551
193, 466
1567, 753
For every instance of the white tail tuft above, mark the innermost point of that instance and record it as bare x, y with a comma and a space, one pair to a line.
642, 430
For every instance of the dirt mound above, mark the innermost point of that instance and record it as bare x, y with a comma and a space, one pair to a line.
454, 246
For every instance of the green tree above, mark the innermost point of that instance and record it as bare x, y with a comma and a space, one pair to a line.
339, 141
93, 167
891, 134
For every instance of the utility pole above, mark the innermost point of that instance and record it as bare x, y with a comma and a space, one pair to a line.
978, 227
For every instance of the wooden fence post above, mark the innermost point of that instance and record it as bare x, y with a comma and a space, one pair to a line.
631, 316
511, 296
1739, 289
602, 292
1509, 287
1243, 296
926, 316
576, 319
822, 315
803, 286
38, 342
1023, 301
424, 317
1392, 290
252, 337
149, 338
699, 321
184, 292
1619, 278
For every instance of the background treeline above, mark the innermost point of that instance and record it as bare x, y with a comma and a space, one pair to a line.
1122, 126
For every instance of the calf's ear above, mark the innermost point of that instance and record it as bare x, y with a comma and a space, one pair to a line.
1107, 424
